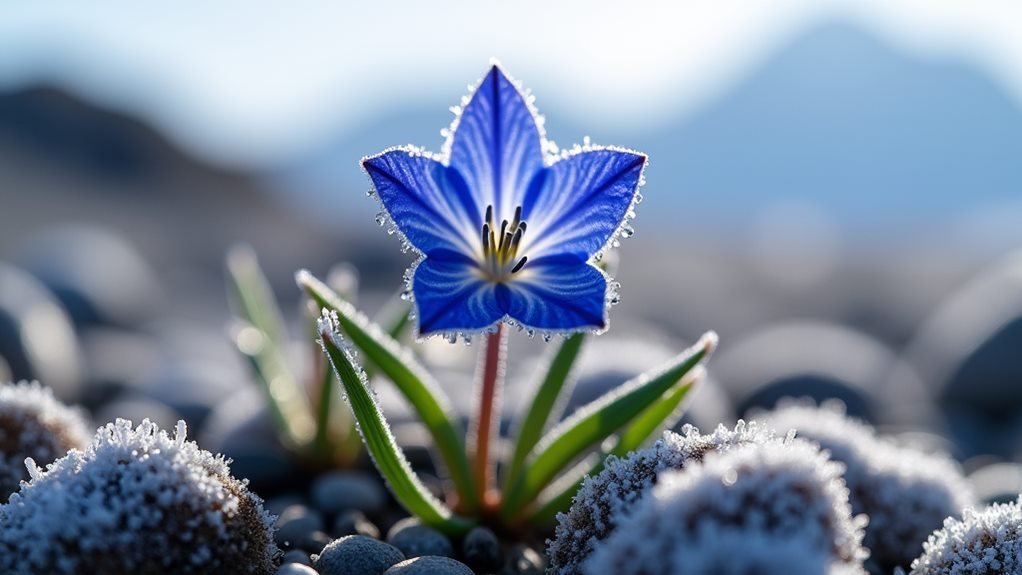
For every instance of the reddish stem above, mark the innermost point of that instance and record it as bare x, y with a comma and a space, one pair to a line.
491, 378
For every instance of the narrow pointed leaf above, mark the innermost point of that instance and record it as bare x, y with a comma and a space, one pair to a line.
596, 421
388, 457
661, 415
539, 413
417, 386
260, 336
664, 413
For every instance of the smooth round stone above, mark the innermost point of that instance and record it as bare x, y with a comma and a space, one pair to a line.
356, 555
295, 524
339, 491
296, 569
315, 542
297, 556
481, 550
524, 560
430, 565
355, 523
416, 540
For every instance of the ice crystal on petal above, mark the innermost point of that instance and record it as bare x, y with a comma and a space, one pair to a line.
506, 229
136, 501
33, 424
603, 498
772, 493
905, 492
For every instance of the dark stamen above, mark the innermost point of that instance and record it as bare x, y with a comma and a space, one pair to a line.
486, 238
518, 217
520, 264
489, 214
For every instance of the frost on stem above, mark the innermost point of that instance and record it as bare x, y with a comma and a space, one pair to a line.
983, 542
601, 499
785, 502
34, 425
136, 501
905, 492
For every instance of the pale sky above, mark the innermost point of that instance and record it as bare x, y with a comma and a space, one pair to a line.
253, 82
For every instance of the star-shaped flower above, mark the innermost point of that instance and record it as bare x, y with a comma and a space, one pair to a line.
505, 231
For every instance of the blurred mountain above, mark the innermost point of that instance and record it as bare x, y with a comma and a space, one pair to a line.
67, 161
838, 118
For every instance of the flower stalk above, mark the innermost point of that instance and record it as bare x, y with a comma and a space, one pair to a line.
491, 380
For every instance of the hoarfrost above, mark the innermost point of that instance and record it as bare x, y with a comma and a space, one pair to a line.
33, 424
136, 501
983, 542
769, 508
620, 486
905, 492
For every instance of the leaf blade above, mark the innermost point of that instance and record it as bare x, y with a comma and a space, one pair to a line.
531, 427
407, 375
596, 422
380, 442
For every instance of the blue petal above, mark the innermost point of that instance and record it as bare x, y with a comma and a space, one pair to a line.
575, 207
450, 297
497, 146
555, 296
426, 201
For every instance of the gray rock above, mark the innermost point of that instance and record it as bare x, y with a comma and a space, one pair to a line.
344, 490
356, 555
481, 550
524, 560
295, 524
430, 565
314, 542
297, 556
416, 540
296, 569
355, 523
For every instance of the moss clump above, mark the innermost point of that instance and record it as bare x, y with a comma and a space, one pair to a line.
906, 493
604, 497
136, 501
775, 508
983, 542
34, 424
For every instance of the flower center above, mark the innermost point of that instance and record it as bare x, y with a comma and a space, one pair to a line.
500, 248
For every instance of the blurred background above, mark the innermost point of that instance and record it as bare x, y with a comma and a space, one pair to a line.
835, 187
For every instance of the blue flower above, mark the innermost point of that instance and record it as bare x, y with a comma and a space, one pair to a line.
506, 231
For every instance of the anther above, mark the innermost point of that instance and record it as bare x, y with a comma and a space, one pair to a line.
520, 264
489, 214
486, 238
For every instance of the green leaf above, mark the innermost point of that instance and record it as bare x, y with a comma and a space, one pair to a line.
595, 422
259, 335
399, 365
532, 426
388, 457
662, 414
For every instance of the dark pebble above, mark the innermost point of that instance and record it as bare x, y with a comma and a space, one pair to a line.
343, 490
416, 540
315, 542
524, 560
355, 523
357, 555
297, 556
296, 569
481, 550
295, 524
429, 565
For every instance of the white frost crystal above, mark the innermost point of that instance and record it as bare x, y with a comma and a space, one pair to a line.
984, 542
905, 492
774, 508
34, 424
136, 501
621, 484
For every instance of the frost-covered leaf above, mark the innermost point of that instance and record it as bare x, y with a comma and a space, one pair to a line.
386, 454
